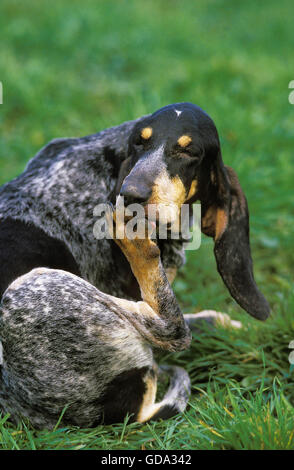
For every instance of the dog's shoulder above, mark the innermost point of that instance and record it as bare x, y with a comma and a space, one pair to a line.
65, 170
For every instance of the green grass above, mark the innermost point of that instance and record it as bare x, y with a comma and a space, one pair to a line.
77, 67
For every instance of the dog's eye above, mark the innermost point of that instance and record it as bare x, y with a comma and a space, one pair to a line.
185, 155
138, 143
189, 156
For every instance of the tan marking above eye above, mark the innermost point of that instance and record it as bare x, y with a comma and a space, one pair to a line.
146, 133
184, 140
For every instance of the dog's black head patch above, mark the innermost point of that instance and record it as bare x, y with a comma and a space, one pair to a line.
165, 151
175, 158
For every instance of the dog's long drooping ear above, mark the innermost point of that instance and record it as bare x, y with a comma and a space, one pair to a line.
225, 217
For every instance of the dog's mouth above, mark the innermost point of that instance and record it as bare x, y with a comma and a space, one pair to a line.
167, 220
163, 217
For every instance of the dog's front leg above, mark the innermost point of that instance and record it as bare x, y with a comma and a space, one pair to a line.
158, 315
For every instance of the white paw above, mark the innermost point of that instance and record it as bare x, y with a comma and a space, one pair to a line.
219, 318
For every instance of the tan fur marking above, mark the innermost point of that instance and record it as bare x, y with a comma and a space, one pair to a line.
168, 190
143, 256
193, 190
146, 133
148, 399
221, 223
148, 412
168, 195
208, 222
184, 141
139, 308
171, 274
147, 275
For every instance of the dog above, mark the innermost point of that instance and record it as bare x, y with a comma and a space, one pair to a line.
80, 317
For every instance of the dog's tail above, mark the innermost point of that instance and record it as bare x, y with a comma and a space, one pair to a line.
176, 398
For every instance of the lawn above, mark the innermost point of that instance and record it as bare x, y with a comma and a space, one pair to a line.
72, 68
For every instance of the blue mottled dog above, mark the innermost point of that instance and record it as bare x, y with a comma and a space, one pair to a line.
80, 316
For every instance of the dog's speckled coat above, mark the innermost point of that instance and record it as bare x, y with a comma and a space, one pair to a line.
74, 330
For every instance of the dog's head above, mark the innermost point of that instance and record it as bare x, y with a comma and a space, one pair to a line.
175, 158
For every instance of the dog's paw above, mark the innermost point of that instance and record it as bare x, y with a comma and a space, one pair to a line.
134, 237
212, 318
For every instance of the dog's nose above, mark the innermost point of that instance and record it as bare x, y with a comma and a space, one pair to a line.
134, 194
